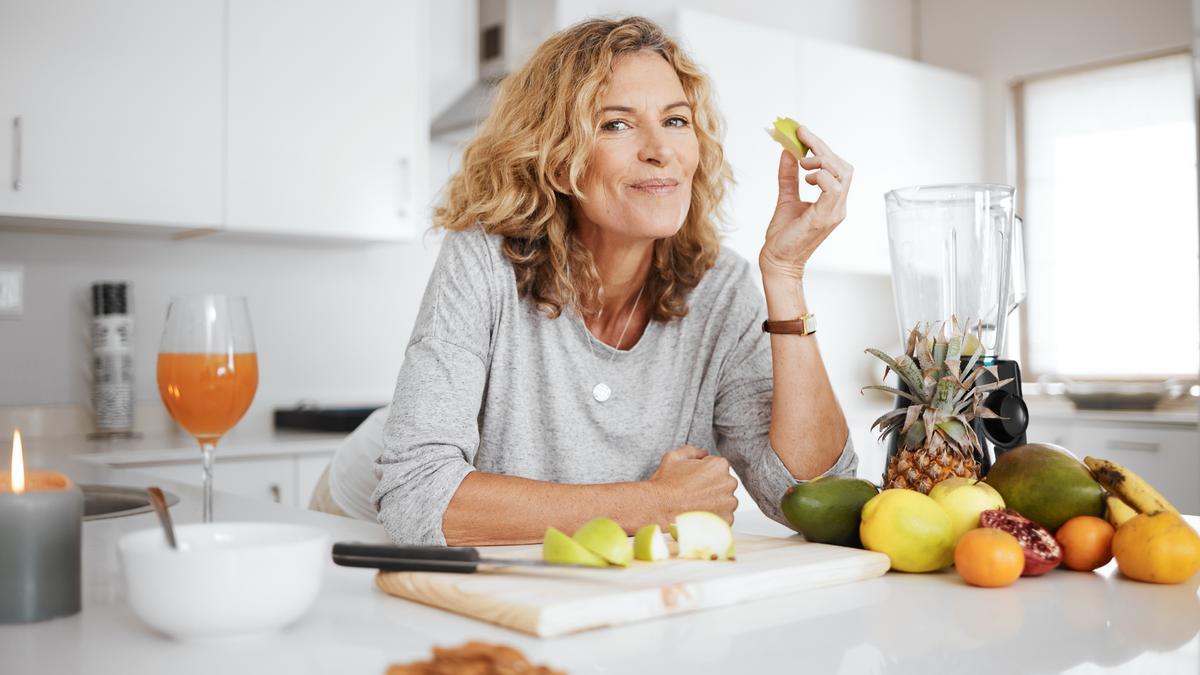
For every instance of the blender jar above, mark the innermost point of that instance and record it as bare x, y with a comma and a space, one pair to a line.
956, 255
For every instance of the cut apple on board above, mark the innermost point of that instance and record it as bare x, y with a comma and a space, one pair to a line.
560, 549
649, 545
784, 132
703, 536
607, 539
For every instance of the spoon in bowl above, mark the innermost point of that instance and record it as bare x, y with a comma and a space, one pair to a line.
164, 516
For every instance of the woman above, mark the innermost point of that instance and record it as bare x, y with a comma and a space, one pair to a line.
584, 341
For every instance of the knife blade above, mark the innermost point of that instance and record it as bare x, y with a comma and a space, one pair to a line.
458, 560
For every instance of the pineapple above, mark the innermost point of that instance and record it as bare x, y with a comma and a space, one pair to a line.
935, 436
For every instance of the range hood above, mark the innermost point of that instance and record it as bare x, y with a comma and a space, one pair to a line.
509, 31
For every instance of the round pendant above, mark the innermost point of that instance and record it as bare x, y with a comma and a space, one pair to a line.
601, 392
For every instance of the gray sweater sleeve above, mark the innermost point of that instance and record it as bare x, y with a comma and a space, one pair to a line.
742, 412
432, 434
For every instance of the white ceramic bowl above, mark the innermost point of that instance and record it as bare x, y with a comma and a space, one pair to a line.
227, 580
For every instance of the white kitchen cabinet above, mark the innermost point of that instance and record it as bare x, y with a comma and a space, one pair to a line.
286, 479
327, 127
898, 122
111, 110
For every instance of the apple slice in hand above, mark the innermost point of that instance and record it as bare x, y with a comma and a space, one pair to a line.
649, 545
703, 536
560, 549
784, 132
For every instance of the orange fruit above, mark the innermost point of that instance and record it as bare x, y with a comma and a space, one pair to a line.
1157, 547
1086, 542
989, 557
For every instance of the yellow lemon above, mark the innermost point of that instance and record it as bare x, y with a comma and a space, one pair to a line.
913, 530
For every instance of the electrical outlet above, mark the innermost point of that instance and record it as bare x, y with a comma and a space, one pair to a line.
12, 281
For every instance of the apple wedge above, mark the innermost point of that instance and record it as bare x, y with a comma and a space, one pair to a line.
784, 132
605, 538
560, 549
703, 536
649, 545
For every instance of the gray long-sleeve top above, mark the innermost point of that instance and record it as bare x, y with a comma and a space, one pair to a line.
490, 383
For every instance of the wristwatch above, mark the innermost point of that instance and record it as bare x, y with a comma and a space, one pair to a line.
805, 325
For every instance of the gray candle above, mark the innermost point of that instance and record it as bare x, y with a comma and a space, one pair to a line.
41, 513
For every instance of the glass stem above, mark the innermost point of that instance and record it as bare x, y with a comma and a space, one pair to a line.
206, 450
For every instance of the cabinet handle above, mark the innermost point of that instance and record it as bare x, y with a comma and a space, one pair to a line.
403, 187
1137, 446
275, 493
16, 154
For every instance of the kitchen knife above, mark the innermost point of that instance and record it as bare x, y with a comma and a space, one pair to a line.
460, 560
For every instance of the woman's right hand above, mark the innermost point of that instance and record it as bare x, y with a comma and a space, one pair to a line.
689, 479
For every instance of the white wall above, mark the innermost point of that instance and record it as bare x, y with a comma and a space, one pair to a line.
1006, 41
330, 322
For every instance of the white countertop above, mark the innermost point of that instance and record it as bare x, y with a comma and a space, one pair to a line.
1184, 413
900, 623
170, 447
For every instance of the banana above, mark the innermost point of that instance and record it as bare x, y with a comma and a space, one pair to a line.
1118, 511
1127, 485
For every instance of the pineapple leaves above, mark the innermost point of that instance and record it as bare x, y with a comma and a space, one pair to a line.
955, 429
893, 390
911, 415
945, 387
953, 355
904, 367
940, 367
915, 436
890, 418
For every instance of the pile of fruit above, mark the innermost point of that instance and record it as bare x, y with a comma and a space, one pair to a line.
601, 542
1038, 508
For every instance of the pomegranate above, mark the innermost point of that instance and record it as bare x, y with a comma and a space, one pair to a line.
1042, 552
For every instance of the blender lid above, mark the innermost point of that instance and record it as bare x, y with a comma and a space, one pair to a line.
945, 192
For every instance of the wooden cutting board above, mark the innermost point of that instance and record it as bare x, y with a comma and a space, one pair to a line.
555, 601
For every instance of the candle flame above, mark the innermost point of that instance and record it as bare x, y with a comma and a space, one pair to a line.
18, 464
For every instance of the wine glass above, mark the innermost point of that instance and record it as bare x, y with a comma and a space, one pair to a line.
207, 370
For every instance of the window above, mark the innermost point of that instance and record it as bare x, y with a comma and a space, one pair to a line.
1108, 175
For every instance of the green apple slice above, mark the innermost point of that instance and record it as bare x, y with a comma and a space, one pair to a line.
784, 131
674, 534
648, 544
605, 538
560, 549
704, 536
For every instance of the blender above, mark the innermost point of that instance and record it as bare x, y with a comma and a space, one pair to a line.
957, 256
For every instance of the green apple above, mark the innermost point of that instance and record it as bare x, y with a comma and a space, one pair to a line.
605, 538
674, 534
964, 499
784, 131
648, 544
560, 549
704, 536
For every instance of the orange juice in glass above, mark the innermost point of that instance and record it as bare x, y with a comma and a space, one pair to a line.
207, 371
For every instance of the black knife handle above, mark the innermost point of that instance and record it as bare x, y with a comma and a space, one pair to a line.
406, 558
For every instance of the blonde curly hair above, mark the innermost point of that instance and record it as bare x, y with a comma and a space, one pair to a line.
542, 128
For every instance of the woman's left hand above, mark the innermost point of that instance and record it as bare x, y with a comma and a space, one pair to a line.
798, 227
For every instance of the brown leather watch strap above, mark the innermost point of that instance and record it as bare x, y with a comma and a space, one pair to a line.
805, 325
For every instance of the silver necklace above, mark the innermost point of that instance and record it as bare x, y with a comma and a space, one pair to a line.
602, 392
